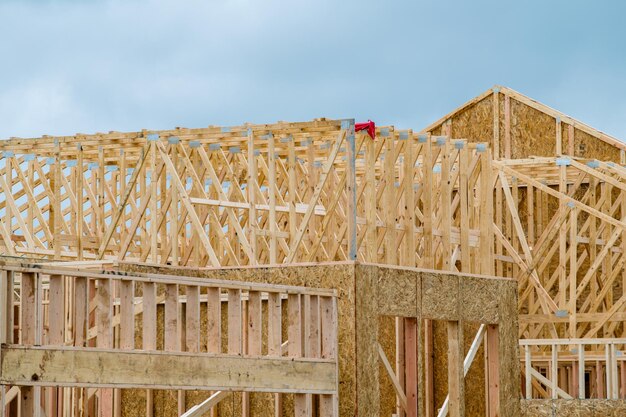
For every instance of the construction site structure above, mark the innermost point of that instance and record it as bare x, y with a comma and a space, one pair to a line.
309, 268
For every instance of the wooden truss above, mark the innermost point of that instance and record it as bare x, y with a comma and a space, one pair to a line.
318, 191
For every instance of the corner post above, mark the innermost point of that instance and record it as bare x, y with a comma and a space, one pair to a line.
348, 125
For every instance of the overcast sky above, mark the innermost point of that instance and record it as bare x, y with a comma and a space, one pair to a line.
69, 66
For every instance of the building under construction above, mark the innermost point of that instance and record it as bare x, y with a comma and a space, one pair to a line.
472, 268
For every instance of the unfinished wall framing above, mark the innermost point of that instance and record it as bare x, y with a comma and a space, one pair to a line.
418, 295
92, 343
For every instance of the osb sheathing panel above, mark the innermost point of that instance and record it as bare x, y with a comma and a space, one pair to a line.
398, 294
474, 123
537, 408
440, 296
587, 146
488, 299
573, 408
532, 132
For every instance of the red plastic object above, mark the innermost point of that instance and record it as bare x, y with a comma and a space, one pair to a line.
369, 126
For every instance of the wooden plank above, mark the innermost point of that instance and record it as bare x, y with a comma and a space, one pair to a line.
174, 213
274, 338
127, 314
507, 126
149, 324
446, 208
271, 162
80, 202
456, 380
214, 315
6, 328
104, 312
496, 123
192, 319
172, 327
429, 381
411, 330
581, 371
165, 370
493, 370
464, 159
56, 336
234, 322
214, 326
251, 190
351, 190
295, 345
370, 202
6, 306
81, 324
329, 404
409, 201
573, 272
486, 210
527, 372
31, 334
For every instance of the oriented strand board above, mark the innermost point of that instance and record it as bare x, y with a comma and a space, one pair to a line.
537, 408
398, 294
488, 295
587, 146
532, 129
475, 123
440, 296
573, 408
533, 133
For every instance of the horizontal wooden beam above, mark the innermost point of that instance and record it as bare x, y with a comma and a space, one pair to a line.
300, 208
97, 368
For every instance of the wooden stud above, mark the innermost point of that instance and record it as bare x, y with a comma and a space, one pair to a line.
493, 367
456, 384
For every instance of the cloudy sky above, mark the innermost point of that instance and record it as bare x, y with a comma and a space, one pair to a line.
71, 66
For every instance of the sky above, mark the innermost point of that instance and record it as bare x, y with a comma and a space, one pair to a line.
78, 66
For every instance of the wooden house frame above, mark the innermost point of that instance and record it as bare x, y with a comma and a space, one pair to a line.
503, 186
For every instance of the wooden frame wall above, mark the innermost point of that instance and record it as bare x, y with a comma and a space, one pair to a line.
318, 191
239, 349
444, 296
